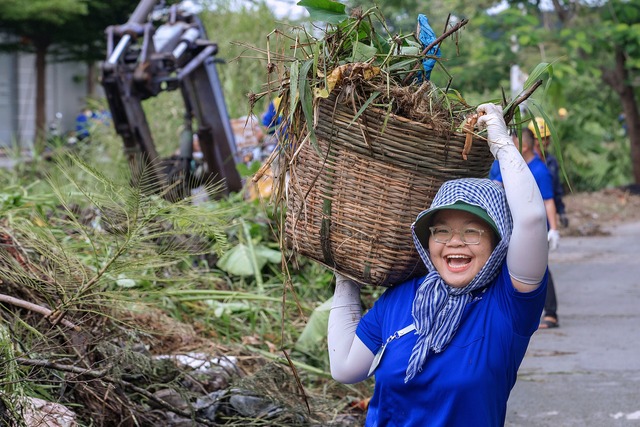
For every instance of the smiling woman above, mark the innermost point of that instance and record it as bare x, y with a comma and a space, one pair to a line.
453, 339
459, 255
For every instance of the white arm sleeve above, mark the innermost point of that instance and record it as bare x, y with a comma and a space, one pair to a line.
528, 252
349, 358
527, 256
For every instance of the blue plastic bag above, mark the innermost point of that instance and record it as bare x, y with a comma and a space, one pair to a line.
426, 37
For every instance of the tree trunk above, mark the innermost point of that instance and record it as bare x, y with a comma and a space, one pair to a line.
561, 11
91, 83
618, 79
41, 96
630, 108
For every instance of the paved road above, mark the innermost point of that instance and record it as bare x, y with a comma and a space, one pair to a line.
587, 372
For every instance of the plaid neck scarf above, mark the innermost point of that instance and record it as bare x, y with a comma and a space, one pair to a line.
437, 307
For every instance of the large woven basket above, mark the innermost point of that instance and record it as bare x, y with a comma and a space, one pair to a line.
352, 199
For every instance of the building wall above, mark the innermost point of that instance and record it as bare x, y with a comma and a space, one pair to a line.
66, 93
8, 116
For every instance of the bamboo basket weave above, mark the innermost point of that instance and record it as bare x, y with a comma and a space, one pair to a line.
352, 199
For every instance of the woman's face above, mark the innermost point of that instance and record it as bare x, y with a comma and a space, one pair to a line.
457, 262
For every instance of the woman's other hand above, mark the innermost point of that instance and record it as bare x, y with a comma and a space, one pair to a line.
490, 117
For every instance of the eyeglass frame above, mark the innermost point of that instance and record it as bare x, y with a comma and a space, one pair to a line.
459, 232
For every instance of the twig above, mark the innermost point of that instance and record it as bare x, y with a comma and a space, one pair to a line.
100, 374
295, 154
47, 313
265, 166
508, 116
468, 128
59, 367
445, 35
298, 381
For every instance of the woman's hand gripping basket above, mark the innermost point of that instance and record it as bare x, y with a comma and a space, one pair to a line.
353, 197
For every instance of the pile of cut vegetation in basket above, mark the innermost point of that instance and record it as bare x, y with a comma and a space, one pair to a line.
350, 92
356, 53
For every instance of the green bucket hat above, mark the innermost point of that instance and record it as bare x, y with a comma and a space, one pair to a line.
421, 226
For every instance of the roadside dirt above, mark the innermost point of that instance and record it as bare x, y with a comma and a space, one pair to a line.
591, 213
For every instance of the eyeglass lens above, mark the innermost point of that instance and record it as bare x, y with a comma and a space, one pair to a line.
470, 236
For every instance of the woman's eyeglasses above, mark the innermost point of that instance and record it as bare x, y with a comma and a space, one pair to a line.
444, 234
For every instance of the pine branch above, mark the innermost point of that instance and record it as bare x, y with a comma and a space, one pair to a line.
53, 316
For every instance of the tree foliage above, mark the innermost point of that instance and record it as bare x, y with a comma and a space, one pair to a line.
32, 26
594, 48
594, 79
237, 31
84, 39
37, 16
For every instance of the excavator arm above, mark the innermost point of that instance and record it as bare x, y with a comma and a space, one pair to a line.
163, 50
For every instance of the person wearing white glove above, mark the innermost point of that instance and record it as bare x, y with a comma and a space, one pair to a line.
554, 239
445, 348
544, 179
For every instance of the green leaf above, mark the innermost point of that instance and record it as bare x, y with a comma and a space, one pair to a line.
329, 11
373, 96
411, 49
238, 261
125, 282
306, 100
406, 65
363, 52
294, 96
246, 171
228, 308
315, 332
454, 94
538, 71
270, 255
524, 39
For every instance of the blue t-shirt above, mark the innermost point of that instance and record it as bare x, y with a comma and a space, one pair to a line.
469, 382
494, 172
558, 190
540, 174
